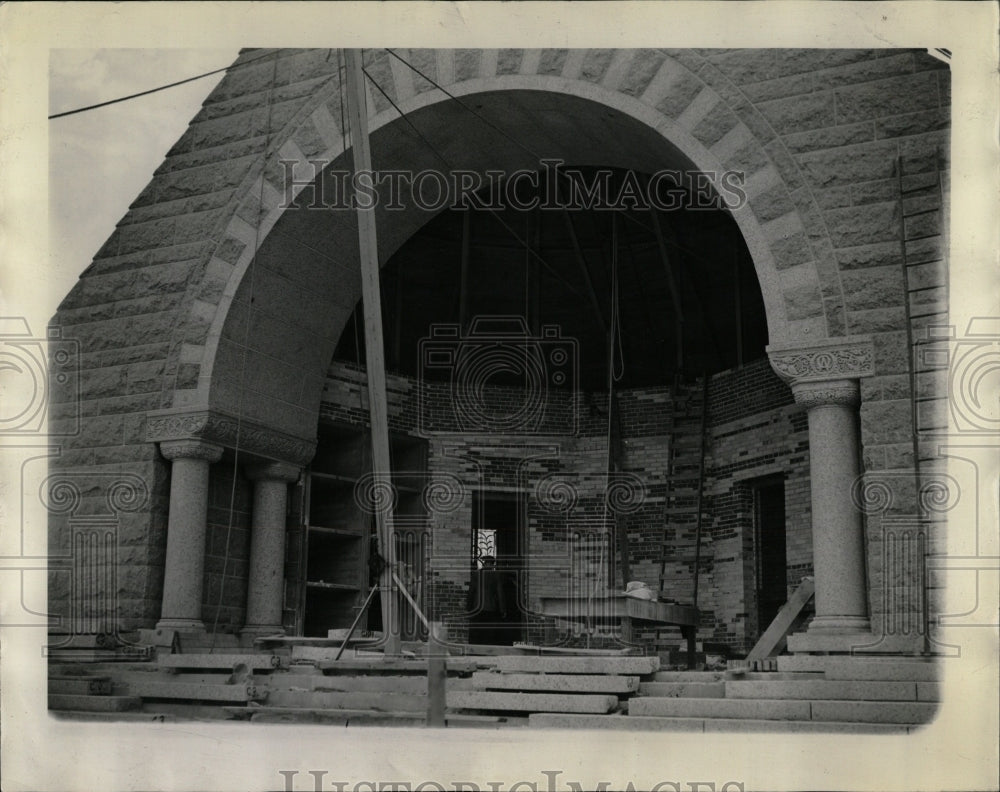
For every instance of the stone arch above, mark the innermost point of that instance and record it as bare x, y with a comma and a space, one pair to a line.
685, 101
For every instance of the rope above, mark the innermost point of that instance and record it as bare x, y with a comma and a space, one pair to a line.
613, 377
155, 90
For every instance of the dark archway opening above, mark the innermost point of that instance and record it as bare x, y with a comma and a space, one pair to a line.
688, 300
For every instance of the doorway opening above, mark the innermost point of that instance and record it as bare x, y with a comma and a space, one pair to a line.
499, 570
771, 568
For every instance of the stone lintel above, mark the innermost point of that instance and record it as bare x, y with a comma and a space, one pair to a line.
216, 427
836, 359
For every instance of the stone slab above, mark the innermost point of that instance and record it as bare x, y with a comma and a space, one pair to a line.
257, 662
193, 691
578, 665
822, 689
82, 686
93, 703
684, 689
874, 711
688, 676
719, 708
374, 701
531, 702
396, 666
557, 683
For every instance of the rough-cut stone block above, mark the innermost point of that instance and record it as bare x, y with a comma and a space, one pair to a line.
531, 702
894, 668
799, 113
889, 97
863, 225
850, 164
641, 71
875, 287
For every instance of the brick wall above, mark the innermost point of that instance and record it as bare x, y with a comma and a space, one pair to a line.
754, 431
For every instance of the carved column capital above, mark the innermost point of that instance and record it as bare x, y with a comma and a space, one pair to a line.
229, 432
838, 359
190, 449
272, 471
845, 393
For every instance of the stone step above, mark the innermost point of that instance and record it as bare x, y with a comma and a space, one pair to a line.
863, 668
684, 689
822, 690
904, 670
557, 683
908, 712
376, 702
61, 701
531, 702
555, 720
628, 666
80, 685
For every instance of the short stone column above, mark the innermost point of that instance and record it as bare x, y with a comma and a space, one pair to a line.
267, 546
183, 575
825, 378
837, 525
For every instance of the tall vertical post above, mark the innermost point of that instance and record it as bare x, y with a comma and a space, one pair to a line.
374, 349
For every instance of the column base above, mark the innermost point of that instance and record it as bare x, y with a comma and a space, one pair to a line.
839, 625
184, 625
262, 629
832, 643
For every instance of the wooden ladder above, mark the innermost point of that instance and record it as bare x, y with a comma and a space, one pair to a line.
683, 495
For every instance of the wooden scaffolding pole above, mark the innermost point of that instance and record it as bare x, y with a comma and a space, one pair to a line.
374, 348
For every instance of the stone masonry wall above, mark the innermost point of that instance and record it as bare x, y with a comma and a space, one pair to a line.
821, 135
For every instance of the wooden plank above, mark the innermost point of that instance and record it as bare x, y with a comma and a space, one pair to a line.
773, 640
531, 702
556, 683
374, 347
578, 665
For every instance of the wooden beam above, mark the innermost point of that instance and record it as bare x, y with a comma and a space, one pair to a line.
775, 636
374, 349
